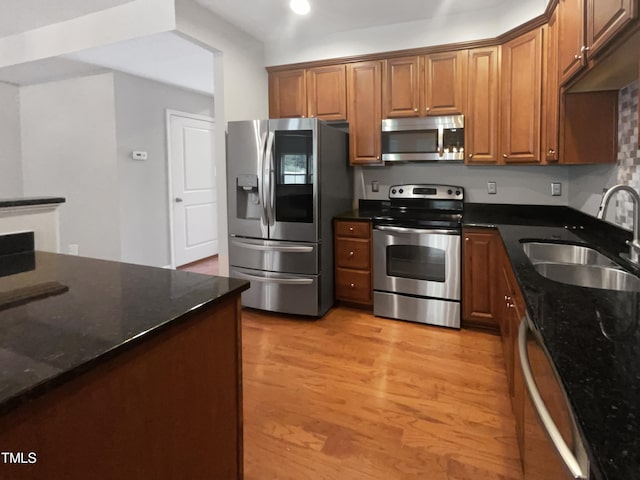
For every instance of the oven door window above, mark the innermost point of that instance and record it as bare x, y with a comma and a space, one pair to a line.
417, 262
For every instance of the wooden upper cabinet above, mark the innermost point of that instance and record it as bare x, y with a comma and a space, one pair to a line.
400, 88
327, 92
550, 93
481, 122
571, 38
444, 76
287, 94
605, 18
521, 98
364, 110
589, 128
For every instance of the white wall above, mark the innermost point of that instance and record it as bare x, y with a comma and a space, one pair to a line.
140, 107
511, 188
474, 25
241, 87
10, 149
69, 150
129, 20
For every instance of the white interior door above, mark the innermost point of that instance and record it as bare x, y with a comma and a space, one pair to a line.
192, 188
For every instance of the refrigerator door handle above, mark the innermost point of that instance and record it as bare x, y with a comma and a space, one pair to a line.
273, 248
281, 281
270, 178
264, 193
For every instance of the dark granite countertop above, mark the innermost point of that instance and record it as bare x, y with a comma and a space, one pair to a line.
27, 201
60, 315
591, 335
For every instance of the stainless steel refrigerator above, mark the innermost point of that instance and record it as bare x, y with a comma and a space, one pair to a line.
286, 179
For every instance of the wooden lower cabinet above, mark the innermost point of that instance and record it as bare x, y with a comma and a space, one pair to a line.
353, 261
479, 265
491, 298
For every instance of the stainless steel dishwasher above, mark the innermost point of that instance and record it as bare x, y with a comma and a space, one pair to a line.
553, 449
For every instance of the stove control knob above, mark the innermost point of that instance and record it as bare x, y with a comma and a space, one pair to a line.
393, 191
457, 192
449, 192
401, 191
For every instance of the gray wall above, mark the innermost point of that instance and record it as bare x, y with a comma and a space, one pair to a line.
140, 109
69, 149
517, 184
10, 148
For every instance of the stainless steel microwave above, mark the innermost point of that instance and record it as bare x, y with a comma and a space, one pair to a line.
438, 138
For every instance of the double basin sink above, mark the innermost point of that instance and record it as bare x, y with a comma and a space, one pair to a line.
579, 265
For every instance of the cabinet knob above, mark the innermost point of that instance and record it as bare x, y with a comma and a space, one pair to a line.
577, 57
377, 157
466, 239
510, 305
507, 297
312, 116
351, 229
428, 109
584, 49
504, 155
415, 109
351, 254
352, 285
552, 151
471, 155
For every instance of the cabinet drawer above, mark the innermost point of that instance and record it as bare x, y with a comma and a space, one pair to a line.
353, 229
353, 285
353, 253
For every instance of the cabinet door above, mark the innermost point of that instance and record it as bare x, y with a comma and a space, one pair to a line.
479, 277
481, 123
605, 18
571, 58
400, 91
550, 90
444, 77
521, 92
364, 112
287, 94
327, 92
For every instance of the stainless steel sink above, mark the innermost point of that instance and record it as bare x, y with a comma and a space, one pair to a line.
592, 276
579, 265
565, 253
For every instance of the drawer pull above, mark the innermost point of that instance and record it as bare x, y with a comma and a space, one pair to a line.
352, 285
351, 254
351, 229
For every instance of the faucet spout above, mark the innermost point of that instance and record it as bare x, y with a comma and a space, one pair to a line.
634, 245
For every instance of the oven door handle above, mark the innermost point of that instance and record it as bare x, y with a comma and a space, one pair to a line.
385, 228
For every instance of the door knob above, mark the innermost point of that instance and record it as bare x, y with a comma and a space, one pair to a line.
178, 200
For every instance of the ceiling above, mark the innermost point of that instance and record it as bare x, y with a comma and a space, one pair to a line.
270, 20
22, 17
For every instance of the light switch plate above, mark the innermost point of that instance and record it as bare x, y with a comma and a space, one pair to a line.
374, 186
556, 189
492, 188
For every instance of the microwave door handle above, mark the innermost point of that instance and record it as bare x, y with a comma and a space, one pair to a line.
560, 445
270, 175
440, 140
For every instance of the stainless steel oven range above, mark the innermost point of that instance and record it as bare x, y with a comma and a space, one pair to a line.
417, 262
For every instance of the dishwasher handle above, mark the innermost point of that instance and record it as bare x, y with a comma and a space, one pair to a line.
560, 445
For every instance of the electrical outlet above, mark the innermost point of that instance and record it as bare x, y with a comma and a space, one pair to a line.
492, 188
374, 186
72, 249
556, 189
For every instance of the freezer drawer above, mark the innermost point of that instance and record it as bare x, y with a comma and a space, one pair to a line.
274, 256
280, 292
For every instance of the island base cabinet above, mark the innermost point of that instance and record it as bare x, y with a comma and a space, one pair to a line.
168, 408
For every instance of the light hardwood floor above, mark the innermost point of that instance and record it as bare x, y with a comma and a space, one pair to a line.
352, 396
356, 397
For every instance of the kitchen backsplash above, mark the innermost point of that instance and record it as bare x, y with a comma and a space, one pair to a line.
628, 153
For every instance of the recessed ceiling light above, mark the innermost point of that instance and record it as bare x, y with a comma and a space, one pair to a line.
301, 7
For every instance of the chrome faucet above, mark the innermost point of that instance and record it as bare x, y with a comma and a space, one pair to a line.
634, 245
